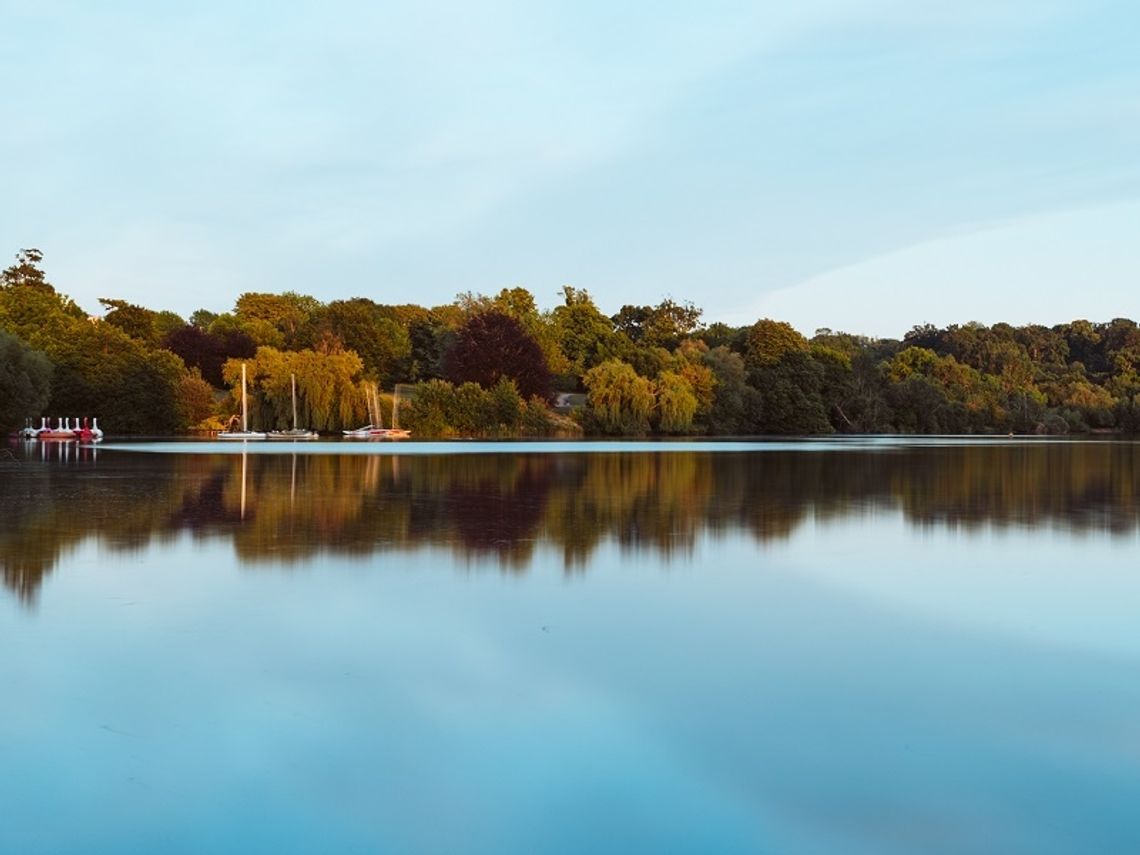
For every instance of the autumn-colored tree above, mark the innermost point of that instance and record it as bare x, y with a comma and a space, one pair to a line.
619, 400
492, 345
770, 341
330, 396
195, 398
676, 403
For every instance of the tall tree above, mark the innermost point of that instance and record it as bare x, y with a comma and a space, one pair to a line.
372, 331
492, 345
278, 320
583, 331
135, 321
26, 272
770, 341
25, 382
208, 351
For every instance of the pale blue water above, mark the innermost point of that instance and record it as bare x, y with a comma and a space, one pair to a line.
714, 650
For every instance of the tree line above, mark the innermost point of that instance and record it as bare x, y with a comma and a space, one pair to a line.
493, 366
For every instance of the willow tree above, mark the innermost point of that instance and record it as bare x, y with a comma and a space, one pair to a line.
676, 403
329, 388
618, 400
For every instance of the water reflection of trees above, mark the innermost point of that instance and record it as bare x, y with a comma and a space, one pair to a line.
285, 509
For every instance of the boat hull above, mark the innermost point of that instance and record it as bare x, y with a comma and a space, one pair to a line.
295, 435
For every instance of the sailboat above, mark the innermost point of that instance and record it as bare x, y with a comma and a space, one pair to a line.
366, 432
295, 432
244, 433
375, 429
396, 431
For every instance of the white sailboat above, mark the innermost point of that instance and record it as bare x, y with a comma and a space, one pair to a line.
367, 432
244, 433
397, 432
375, 429
295, 432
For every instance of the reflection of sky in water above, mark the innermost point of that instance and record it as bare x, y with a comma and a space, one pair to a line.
862, 685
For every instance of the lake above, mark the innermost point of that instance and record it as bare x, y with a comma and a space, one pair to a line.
857, 646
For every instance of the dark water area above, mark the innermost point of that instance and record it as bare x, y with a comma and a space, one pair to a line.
787, 647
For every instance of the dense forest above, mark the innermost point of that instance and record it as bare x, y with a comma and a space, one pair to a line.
497, 365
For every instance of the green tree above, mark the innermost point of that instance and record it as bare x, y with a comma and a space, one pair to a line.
670, 323
736, 405
583, 331
103, 372
837, 385
26, 272
25, 382
31, 309
135, 321
665, 325
195, 398
372, 331
722, 335
791, 395
278, 320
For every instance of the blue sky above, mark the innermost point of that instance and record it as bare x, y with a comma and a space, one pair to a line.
858, 165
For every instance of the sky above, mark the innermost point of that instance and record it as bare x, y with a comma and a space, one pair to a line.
865, 166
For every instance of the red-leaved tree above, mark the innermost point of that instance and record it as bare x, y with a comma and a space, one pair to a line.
492, 345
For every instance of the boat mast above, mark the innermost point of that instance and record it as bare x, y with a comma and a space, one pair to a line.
244, 411
396, 407
293, 378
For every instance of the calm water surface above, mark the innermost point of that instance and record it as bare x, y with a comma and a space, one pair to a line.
864, 646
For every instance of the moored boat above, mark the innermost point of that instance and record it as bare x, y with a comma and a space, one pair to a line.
375, 429
88, 433
244, 433
61, 431
295, 433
